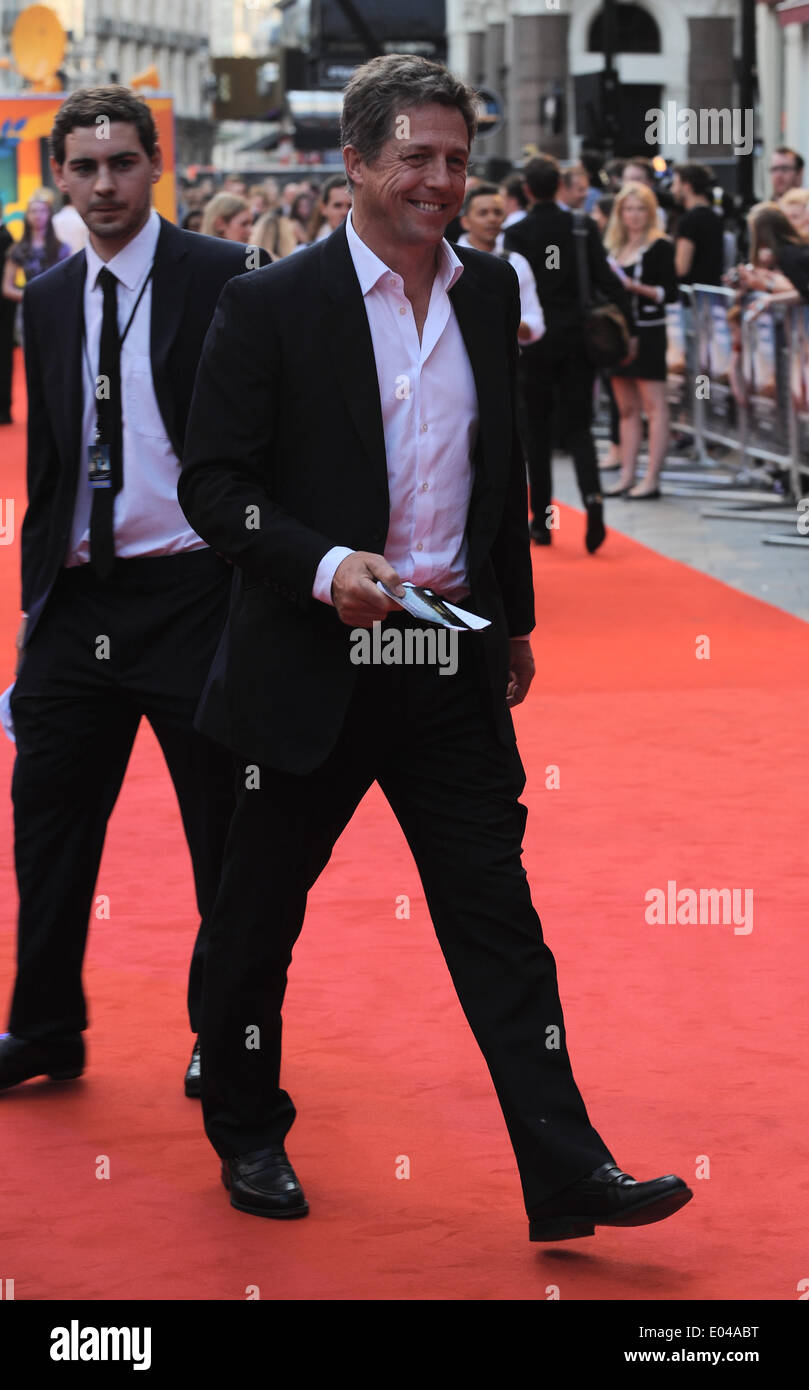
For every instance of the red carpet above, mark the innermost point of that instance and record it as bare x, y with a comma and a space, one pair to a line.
689, 1042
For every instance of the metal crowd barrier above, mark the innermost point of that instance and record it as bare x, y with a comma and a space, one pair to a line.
741, 387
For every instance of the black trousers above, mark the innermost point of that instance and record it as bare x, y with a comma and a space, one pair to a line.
8, 311
76, 711
556, 380
428, 740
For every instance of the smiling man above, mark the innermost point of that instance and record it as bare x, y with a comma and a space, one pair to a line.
123, 602
353, 421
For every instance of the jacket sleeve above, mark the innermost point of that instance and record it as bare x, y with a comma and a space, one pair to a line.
42, 466
225, 484
661, 269
511, 549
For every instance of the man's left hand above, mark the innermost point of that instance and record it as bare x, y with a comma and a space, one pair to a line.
521, 670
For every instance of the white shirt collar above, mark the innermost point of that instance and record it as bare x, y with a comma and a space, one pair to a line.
131, 263
370, 268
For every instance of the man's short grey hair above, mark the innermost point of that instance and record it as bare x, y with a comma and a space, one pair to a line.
388, 86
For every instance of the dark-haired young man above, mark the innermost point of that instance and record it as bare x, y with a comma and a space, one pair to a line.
555, 372
409, 468
514, 200
482, 219
123, 602
699, 244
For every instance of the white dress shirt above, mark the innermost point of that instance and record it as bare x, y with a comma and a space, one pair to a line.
70, 227
530, 307
513, 217
147, 519
430, 421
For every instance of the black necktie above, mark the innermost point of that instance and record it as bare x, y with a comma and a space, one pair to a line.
110, 429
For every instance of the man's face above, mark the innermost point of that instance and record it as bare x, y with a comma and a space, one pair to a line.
484, 218
574, 191
677, 189
338, 206
416, 184
784, 174
634, 173
109, 179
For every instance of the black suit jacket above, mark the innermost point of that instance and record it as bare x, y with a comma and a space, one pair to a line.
285, 458
189, 272
547, 226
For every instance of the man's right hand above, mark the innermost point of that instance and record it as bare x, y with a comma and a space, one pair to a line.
358, 601
18, 642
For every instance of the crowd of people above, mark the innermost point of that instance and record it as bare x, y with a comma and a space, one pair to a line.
649, 232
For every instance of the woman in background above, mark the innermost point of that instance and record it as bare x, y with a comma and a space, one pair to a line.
275, 234
228, 216
38, 249
643, 256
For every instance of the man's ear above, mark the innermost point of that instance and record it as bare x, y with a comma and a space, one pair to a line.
157, 163
354, 165
464, 222
56, 170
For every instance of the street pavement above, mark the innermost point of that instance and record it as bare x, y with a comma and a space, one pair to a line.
731, 551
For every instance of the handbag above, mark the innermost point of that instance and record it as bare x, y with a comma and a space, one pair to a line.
606, 334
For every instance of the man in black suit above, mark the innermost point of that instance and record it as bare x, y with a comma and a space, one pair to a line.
7, 314
123, 603
353, 422
555, 373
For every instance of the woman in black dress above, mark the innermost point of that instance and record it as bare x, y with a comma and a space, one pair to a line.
644, 258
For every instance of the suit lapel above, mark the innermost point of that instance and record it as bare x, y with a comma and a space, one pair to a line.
169, 290
352, 352
67, 324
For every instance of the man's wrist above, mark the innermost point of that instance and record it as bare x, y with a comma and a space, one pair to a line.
324, 575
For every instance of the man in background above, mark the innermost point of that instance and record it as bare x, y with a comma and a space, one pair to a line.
556, 372
123, 603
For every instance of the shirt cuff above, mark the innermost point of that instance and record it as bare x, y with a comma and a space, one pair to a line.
525, 637
325, 572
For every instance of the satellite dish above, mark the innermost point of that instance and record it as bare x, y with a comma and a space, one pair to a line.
38, 43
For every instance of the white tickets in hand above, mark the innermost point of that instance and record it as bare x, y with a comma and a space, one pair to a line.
432, 608
5, 713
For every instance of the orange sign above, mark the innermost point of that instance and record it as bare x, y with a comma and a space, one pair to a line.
25, 124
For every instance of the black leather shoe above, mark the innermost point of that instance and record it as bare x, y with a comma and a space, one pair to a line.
193, 1077
596, 532
264, 1183
606, 1197
62, 1060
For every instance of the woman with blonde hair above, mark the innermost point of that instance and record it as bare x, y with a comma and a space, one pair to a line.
795, 205
228, 216
275, 234
643, 257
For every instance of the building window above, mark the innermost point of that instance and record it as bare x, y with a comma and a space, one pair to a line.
635, 31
